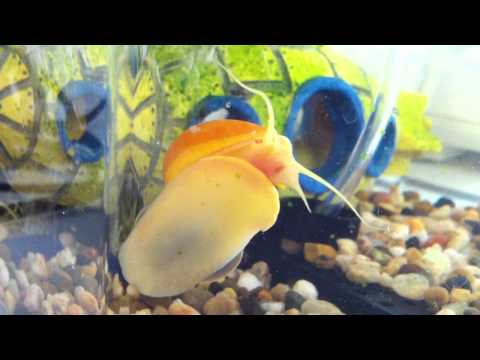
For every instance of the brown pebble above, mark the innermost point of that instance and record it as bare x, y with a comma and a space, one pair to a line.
394, 265
264, 295
74, 309
321, 255
438, 295
460, 295
413, 255
221, 305
291, 247
178, 307
196, 297
133, 292
229, 292
364, 245
292, 311
278, 292
380, 198
363, 195
411, 196
422, 208
136, 306
160, 310
87, 300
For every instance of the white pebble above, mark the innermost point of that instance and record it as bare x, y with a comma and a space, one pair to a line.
446, 311
66, 258
4, 274
436, 262
306, 289
459, 240
34, 298
344, 261
410, 286
476, 285
22, 280
347, 247
274, 307
385, 280
320, 307
456, 259
86, 300
422, 236
397, 251
248, 281
440, 213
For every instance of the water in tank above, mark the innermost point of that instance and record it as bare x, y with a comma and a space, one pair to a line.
239, 180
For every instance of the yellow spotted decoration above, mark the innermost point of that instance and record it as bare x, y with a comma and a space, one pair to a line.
33, 159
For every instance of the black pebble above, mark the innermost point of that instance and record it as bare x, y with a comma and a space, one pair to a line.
250, 306
407, 211
474, 226
457, 282
215, 288
413, 242
380, 211
444, 201
293, 300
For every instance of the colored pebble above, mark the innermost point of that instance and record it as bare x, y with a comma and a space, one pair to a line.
320, 307
413, 242
293, 300
221, 304
320, 254
444, 201
216, 287
394, 265
422, 208
438, 295
178, 307
291, 247
411, 286
460, 295
457, 281
306, 289
197, 298
248, 281
347, 247
278, 292
264, 296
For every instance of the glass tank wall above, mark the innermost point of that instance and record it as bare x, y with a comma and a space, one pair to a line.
238, 180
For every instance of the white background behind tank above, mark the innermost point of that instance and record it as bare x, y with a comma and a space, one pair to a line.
449, 75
